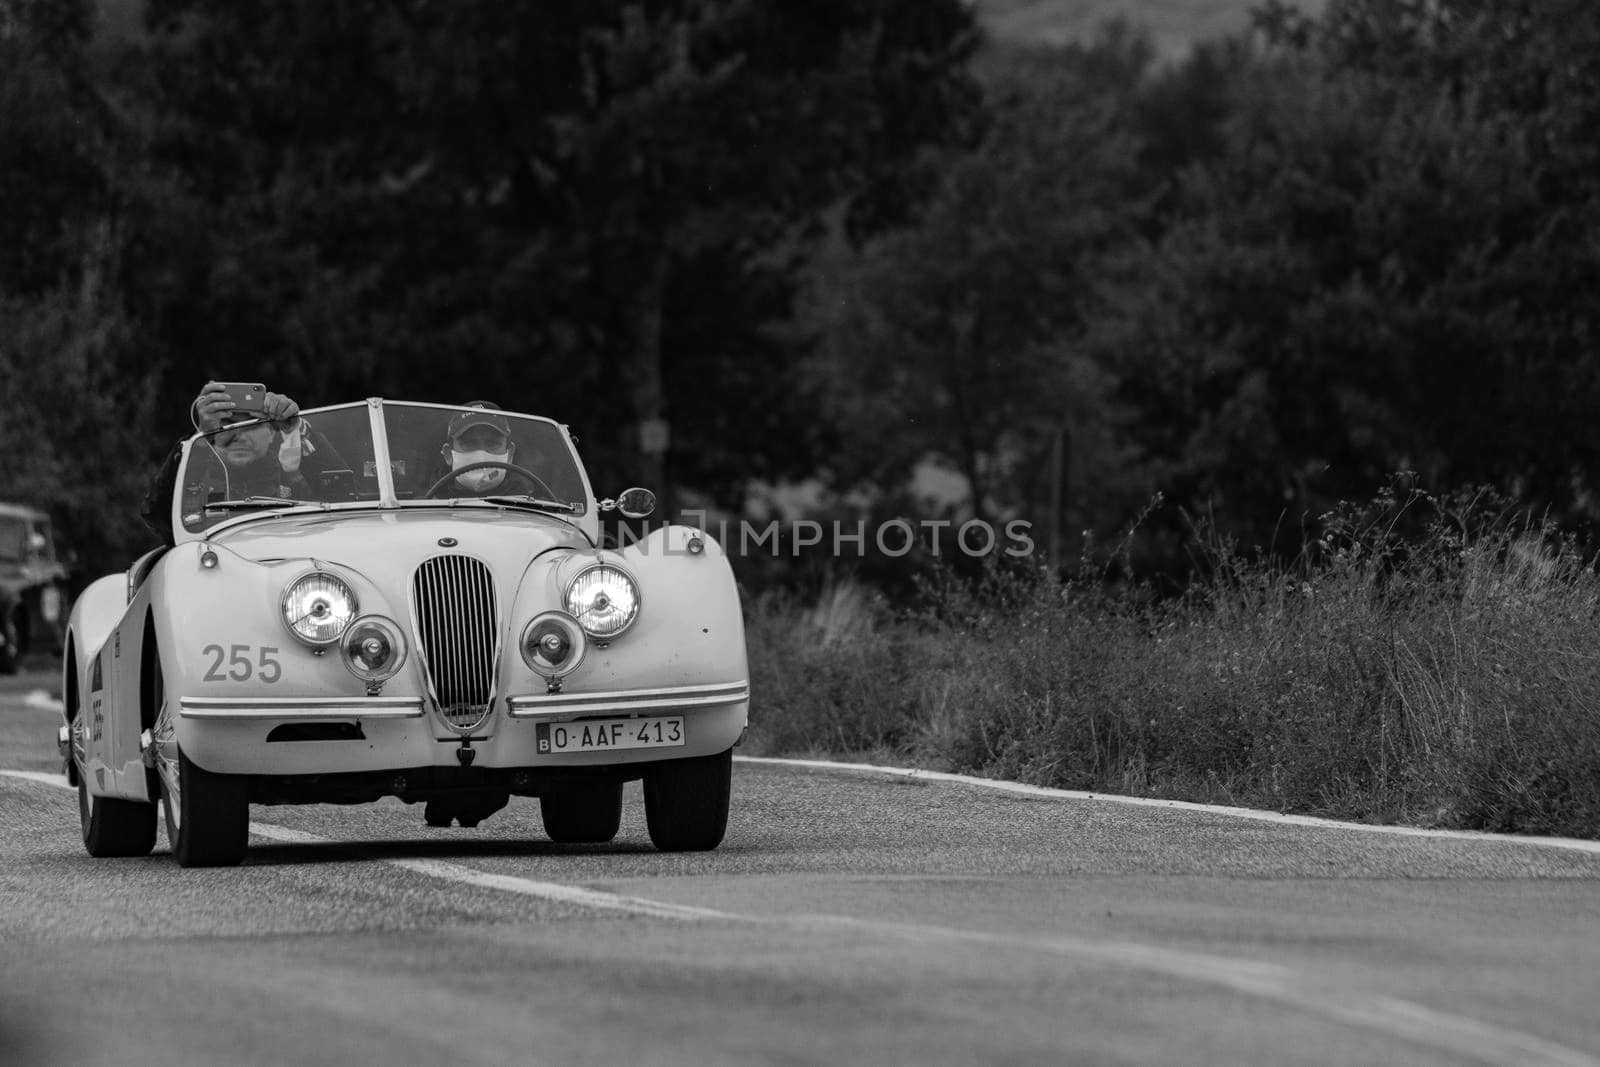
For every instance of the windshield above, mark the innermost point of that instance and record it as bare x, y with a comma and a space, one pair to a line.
436, 453
13, 540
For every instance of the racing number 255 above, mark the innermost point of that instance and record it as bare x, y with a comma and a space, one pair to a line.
242, 665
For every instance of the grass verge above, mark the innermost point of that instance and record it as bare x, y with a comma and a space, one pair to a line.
1422, 663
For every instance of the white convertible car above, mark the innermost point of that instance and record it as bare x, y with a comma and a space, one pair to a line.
373, 619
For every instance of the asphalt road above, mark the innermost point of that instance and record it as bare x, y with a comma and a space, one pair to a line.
850, 917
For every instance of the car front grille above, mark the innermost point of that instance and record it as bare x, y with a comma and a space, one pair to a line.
457, 626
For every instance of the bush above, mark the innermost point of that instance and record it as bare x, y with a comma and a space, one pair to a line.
1428, 661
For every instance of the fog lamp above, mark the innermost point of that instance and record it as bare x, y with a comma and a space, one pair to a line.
374, 648
552, 644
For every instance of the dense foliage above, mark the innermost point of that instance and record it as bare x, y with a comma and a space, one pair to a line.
837, 240
1256, 282
589, 208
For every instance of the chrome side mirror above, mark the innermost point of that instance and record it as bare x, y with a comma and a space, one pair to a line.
633, 503
636, 503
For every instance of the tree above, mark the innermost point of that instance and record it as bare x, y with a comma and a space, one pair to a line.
1383, 266
529, 203
958, 338
76, 401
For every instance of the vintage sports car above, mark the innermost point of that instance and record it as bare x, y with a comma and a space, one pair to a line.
33, 586
375, 618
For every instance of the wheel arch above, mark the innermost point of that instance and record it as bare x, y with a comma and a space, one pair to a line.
71, 691
71, 700
151, 679
152, 693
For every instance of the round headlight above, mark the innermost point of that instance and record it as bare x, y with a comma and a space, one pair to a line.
603, 599
373, 648
552, 644
317, 608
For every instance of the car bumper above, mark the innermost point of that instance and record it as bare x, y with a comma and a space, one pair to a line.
347, 734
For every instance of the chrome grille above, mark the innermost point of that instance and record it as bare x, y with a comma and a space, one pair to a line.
457, 624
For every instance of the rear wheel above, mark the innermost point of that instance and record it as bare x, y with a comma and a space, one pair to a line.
588, 815
10, 639
208, 820
115, 827
686, 802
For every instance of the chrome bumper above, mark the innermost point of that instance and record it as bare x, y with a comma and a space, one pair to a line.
300, 709
557, 706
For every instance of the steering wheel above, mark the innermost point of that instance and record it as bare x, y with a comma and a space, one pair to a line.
433, 493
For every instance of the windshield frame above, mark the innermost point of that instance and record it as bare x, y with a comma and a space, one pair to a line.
388, 498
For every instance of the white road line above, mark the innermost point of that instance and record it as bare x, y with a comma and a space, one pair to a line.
566, 894
1391, 1016
1471, 1039
453, 872
40, 776
1256, 814
41, 699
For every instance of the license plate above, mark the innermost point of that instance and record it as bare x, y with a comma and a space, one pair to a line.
605, 735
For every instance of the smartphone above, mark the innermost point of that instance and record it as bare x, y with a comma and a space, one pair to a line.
246, 396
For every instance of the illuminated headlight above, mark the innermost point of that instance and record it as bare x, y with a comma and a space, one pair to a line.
552, 644
373, 648
604, 600
317, 608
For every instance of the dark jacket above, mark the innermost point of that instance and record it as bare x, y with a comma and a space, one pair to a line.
264, 477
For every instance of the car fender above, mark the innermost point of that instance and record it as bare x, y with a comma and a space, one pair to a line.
690, 629
210, 619
110, 761
95, 614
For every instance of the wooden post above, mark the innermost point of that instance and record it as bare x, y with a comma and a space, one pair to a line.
1057, 464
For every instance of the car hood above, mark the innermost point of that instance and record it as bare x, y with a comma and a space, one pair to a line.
365, 540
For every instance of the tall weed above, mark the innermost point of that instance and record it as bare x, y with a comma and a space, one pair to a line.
1429, 661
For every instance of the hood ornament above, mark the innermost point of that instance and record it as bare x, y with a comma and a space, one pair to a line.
447, 542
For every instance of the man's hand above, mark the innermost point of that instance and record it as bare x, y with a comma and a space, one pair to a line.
280, 409
212, 407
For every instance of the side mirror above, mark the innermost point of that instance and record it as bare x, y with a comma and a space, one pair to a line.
633, 503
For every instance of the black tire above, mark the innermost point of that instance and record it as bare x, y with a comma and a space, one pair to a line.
209, 825
686, 802
11, 631
115, 827
586, 816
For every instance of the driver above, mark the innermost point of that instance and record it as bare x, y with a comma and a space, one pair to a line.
477, 436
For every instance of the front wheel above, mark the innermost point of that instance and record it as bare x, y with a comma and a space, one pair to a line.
686, 802
208, 820
115, 827
586, 816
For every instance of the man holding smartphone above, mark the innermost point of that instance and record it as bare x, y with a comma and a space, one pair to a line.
263, 459
217, 404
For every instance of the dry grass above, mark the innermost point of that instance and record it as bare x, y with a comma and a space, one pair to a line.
1445, 678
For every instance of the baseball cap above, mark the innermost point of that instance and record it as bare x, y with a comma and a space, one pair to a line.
481, 415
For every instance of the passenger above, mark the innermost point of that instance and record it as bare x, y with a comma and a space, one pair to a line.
278, 457
263, 459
